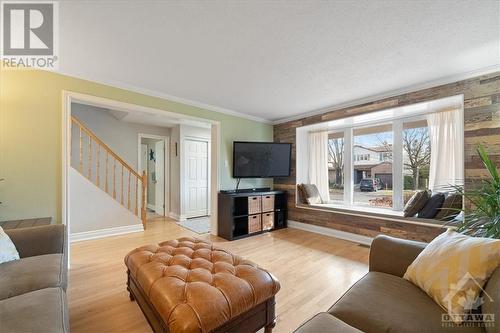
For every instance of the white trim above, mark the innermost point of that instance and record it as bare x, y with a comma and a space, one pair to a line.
393, 93
151, 206
101, 233
166, 168
330, 232
66, 163
157, 94
397, 165
215, 138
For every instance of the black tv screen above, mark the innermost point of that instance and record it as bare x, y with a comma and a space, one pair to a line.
261, 159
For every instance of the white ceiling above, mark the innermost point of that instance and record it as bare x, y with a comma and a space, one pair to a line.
276, 59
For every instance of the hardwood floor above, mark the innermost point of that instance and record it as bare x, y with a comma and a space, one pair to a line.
314, 271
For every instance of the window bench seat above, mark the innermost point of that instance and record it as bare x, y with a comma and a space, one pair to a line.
373, 212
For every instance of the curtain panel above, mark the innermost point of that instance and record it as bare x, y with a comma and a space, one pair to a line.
318, 163
447, 155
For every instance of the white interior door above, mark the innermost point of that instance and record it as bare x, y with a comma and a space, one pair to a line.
160, 177
196, 178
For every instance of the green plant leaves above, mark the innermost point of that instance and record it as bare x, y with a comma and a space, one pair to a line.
483, 218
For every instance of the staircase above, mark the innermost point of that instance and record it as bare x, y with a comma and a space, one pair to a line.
93, 159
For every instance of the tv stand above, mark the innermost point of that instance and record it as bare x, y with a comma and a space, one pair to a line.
248, 212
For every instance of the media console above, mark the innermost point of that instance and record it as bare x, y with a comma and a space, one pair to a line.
245, 213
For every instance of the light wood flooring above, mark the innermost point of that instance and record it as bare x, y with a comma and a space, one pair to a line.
313, 270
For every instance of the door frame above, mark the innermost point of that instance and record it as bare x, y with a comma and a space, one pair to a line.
69, 97
209, 176
166, 166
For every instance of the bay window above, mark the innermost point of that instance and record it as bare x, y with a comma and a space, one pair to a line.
379, 160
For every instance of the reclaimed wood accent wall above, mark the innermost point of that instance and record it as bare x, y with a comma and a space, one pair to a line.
482, 126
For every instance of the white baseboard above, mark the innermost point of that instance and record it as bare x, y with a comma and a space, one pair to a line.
330, 232
151, 206
177, 217
101, 233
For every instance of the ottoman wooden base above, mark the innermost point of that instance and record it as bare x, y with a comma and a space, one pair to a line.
263, 315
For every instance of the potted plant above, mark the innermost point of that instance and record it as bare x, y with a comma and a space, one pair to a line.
482, 209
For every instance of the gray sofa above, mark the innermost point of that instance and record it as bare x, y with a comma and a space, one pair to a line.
33, 289
382, 301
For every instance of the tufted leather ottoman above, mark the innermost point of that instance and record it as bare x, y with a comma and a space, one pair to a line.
189, 285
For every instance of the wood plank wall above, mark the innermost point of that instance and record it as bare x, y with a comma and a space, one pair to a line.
482, 126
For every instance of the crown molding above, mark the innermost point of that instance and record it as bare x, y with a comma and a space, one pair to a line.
153, 93
393, 93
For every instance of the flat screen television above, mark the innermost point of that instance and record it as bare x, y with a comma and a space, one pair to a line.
261, 159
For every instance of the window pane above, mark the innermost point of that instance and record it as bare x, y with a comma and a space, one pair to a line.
373, 166
336, 166
416, 157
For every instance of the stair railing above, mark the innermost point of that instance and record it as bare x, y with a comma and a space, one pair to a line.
91, 152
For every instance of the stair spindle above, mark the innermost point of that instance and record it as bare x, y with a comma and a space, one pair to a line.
90, 158
81, 151
121, 188
106, 182
98, 164
128, 194
114, 178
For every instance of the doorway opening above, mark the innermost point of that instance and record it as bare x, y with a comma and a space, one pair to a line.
154, 161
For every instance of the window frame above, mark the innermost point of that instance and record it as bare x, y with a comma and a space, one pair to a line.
397, 129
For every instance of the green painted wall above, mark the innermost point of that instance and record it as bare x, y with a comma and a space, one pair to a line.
31, 143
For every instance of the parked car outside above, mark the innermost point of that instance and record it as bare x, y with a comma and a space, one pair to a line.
369, 184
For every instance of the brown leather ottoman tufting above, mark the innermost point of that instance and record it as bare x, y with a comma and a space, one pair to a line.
189, 285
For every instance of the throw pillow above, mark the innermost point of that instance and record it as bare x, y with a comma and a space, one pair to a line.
8, 251
302, 194
416, 203
312, 194
432, 206
453, 269
451, 207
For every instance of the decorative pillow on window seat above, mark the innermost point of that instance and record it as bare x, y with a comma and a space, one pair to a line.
453, 269
302, 194
432, 206
416, 203
312, 194
451, 207
8, 251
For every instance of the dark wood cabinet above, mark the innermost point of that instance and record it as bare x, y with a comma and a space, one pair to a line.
242, 214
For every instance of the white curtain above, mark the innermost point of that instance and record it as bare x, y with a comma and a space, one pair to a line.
446, 130
318, 163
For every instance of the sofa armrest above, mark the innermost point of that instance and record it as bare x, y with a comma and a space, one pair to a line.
393, 255
35, 241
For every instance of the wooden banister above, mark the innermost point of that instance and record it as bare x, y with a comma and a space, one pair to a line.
104, 146
98, 145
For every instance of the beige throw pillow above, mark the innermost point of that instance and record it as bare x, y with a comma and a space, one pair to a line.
312, 194
453, 269
416, 203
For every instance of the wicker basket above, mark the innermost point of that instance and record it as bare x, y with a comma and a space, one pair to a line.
254, 205
254, 224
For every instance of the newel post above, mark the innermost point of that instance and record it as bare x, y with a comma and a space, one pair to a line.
144, 187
